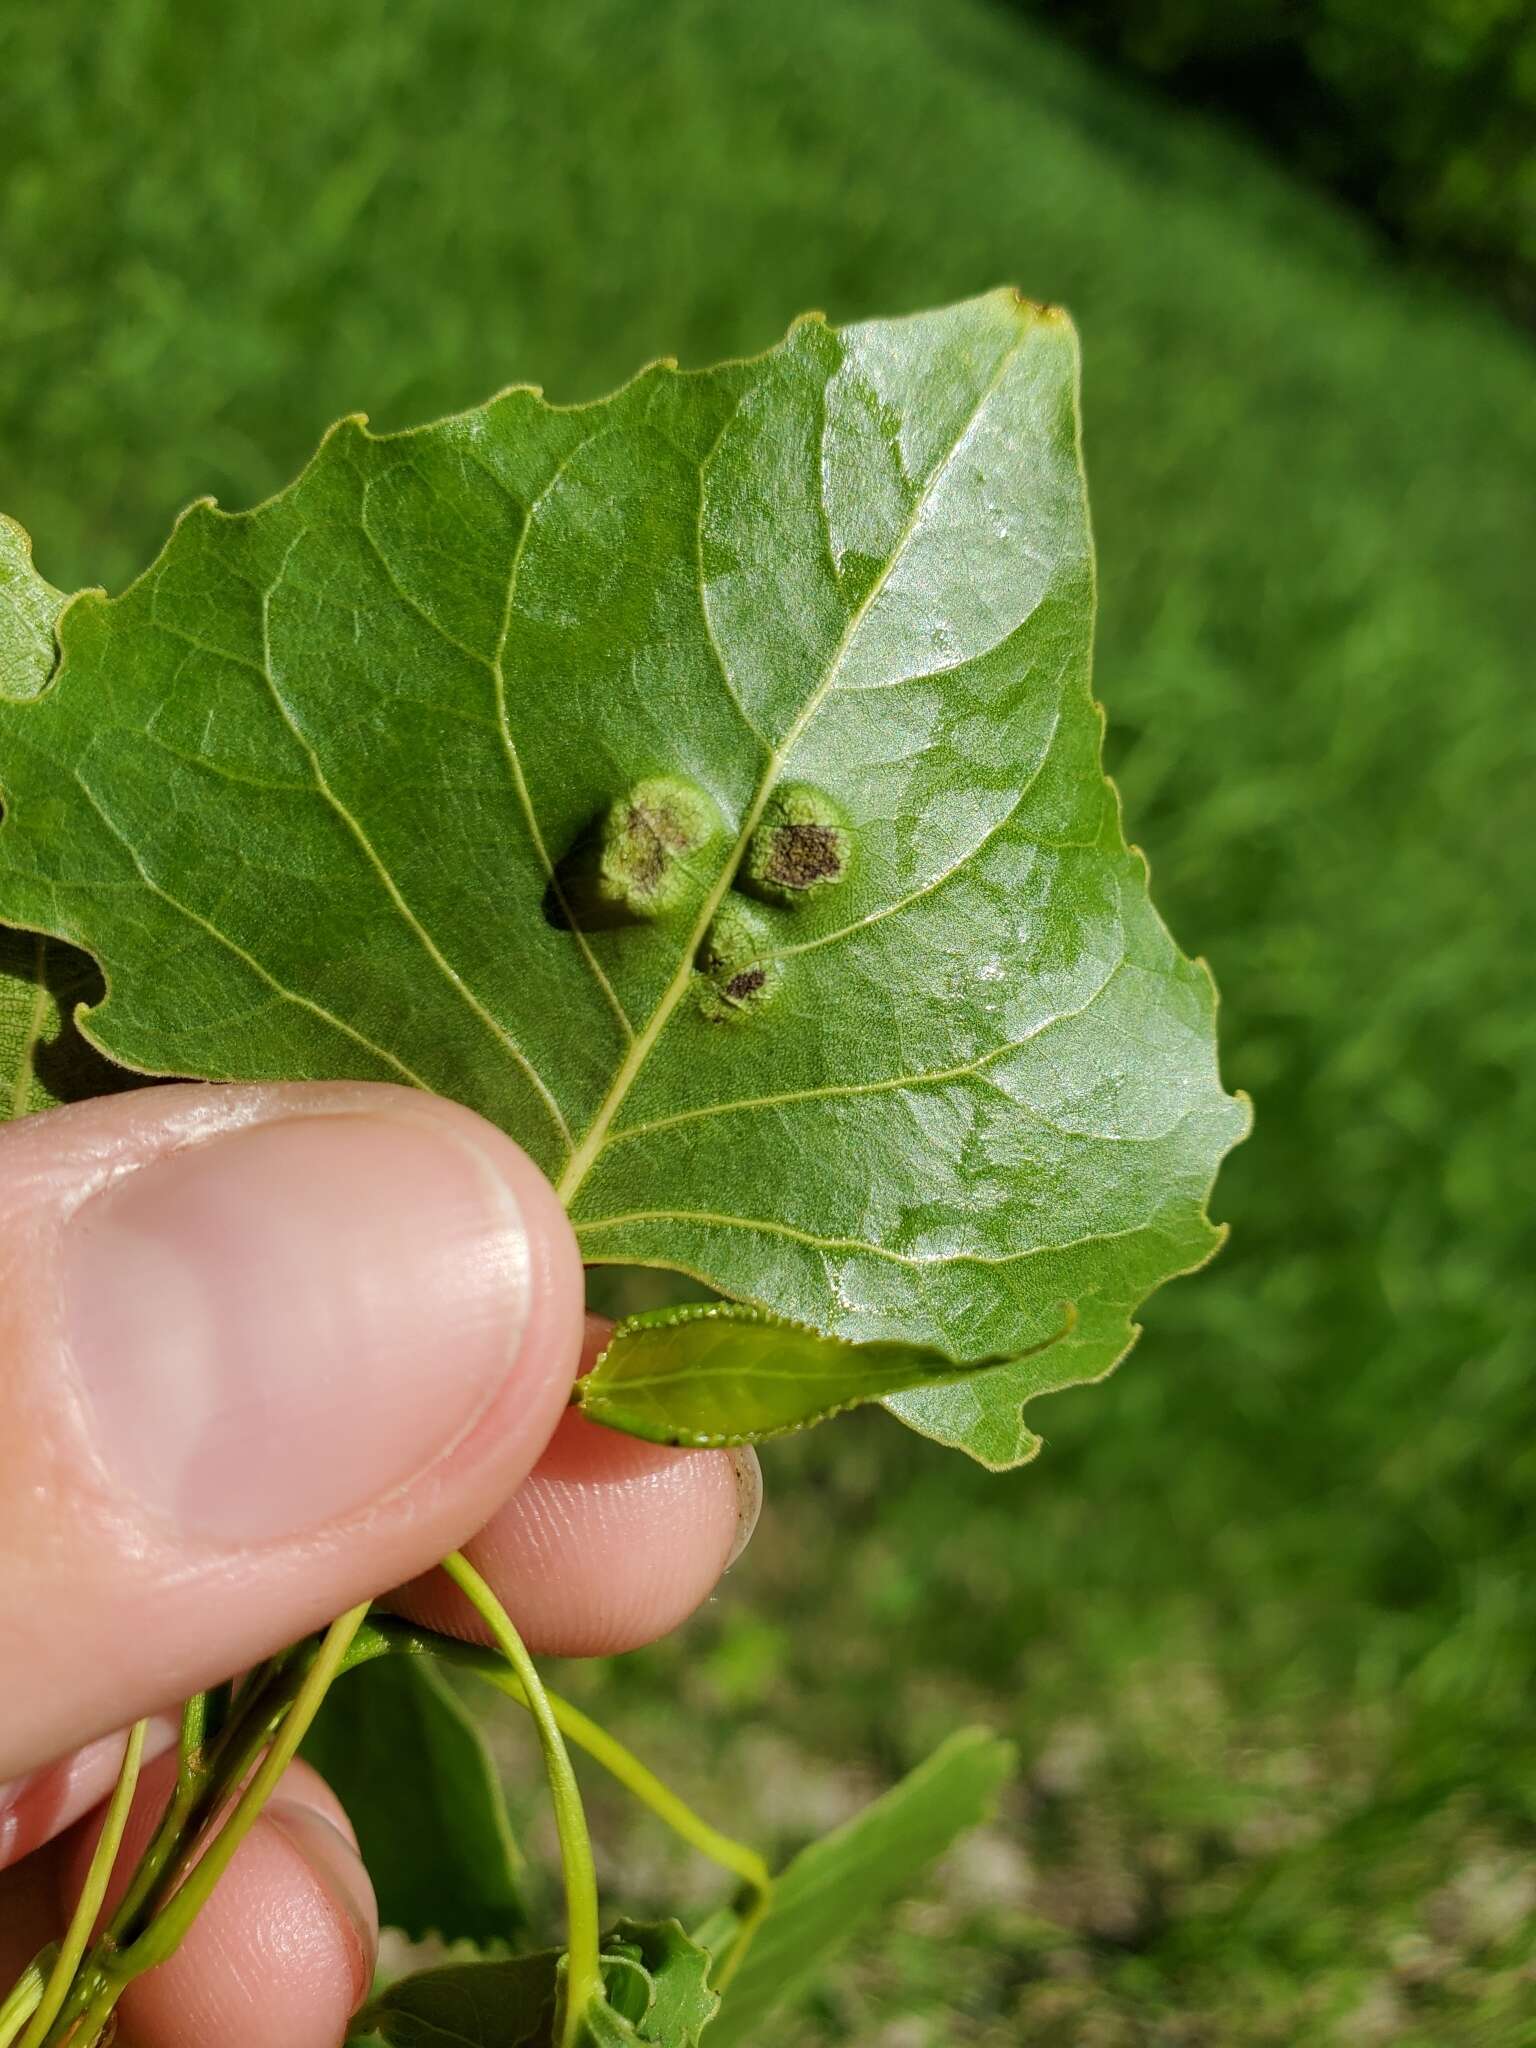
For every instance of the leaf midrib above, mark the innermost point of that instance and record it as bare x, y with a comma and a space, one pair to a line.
586, 1154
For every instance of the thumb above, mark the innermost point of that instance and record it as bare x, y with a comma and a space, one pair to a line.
263, 1352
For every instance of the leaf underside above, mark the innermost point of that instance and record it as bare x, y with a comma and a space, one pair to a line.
411, 1767
326, 794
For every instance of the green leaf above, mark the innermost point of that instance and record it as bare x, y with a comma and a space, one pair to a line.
676, 1970
655, 1981
43, 1058
29, 611
749, 1375
507, 2004
705, 785
602, 2026
849, 1878
411, 1767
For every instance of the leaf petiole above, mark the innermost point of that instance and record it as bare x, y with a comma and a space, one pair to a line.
25, 1996
77, 1937
384, 1636
583, 1985
205, 1781
166, 1932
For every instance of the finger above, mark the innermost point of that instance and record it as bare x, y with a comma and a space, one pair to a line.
44, 1803
267, 1351
29, 1913
284, 1950
609, 1544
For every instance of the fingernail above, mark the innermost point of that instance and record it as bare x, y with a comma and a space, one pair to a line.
749, 1499
284, 1324
338, 1870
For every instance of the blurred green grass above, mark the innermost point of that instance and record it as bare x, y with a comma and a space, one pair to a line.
1262, 1615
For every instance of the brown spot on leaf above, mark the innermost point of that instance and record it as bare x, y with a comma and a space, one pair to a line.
740, 986
802, 855
802, 845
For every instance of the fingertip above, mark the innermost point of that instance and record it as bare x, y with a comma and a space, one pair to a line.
609, 1544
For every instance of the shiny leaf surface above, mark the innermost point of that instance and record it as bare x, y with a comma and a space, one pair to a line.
705, 785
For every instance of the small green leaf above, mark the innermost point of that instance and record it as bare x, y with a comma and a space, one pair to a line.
411, 1768
602, 2026
44, 1060
743, 1375
836, 1885
681, 2002
507, 2004
704, 784
29, 611
656, 1988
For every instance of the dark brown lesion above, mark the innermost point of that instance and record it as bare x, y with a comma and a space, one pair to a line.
742, 986
799, 856
802, 845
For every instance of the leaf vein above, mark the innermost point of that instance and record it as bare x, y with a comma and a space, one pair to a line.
249, 960
934, 1262
583, 1157
513, 756
938, 882
838, 1091
391, 888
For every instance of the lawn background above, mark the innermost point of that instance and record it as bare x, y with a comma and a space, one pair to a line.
1261, 1617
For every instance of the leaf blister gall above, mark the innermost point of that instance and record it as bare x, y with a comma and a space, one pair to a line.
637, 863
737, 973
801, 847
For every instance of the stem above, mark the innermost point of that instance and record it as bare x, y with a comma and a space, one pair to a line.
166, 1932
586, 1734
194, 1737
731, 1961
24, 1997
204, 1785
72, 1949
643, 1782
584, 1971
88, 2029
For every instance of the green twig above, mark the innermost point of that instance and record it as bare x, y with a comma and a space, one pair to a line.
168, 1929
205, 1783
585, 1734
25, 1996
193, 1740
584, 1971
77, 1937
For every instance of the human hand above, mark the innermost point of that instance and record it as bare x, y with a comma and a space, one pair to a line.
266, 1352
